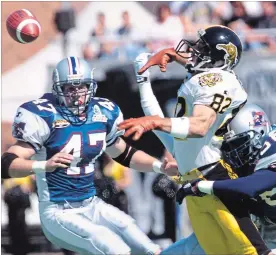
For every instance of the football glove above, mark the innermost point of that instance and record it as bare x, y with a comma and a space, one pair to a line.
161, 58
189, 189
139, 62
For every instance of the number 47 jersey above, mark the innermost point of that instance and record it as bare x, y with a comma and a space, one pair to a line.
219, 90
40, 124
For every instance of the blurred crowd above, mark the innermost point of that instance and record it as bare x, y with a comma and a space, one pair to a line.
253, 21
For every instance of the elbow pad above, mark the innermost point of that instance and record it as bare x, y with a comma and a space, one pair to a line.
125, 158
6, 160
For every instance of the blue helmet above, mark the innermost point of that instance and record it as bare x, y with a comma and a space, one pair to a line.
76, 72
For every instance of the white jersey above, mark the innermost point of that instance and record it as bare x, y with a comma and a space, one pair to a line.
222, 91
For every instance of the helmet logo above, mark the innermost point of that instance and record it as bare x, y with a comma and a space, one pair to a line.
231, 56
210, 79
258, 119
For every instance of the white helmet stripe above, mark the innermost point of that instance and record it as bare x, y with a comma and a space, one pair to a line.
70, 65
77, 65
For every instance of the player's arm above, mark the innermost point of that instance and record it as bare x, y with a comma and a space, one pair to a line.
148, 100
30, 131
128, 156
16, 162
195, 126
247, 187
244, 187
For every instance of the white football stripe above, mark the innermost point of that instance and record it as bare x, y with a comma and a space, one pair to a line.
22, 24
28, 12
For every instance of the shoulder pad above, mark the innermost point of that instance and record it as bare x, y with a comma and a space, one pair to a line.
106, 105
42, 107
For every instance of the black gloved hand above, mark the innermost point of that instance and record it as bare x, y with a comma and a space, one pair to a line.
189, 189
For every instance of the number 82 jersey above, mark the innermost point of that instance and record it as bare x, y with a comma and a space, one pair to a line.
40, 124
219, 90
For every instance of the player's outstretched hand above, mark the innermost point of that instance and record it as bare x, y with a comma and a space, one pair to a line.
169, 168
161, 58
60, 159
189, 189
138, 126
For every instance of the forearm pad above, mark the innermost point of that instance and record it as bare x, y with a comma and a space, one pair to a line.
125, 158
6, 160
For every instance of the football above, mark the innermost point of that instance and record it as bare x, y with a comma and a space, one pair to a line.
23, 26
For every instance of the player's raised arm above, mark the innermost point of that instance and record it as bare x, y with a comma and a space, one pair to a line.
148, 100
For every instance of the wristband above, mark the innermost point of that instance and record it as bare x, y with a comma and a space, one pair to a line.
39, 166
206, 187
156, 167
180, 127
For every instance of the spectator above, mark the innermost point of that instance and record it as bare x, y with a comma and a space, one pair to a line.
167, 30
100, 28
129, 48
88, 52
178, 7
240, 13
268, 20
108, 50
203, 14
243, 24
126, 27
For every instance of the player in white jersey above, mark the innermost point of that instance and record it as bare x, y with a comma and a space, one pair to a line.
207, 101
74, 128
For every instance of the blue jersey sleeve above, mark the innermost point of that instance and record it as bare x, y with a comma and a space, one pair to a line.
246, 187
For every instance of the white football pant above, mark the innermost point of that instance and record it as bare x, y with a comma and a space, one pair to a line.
93, 227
